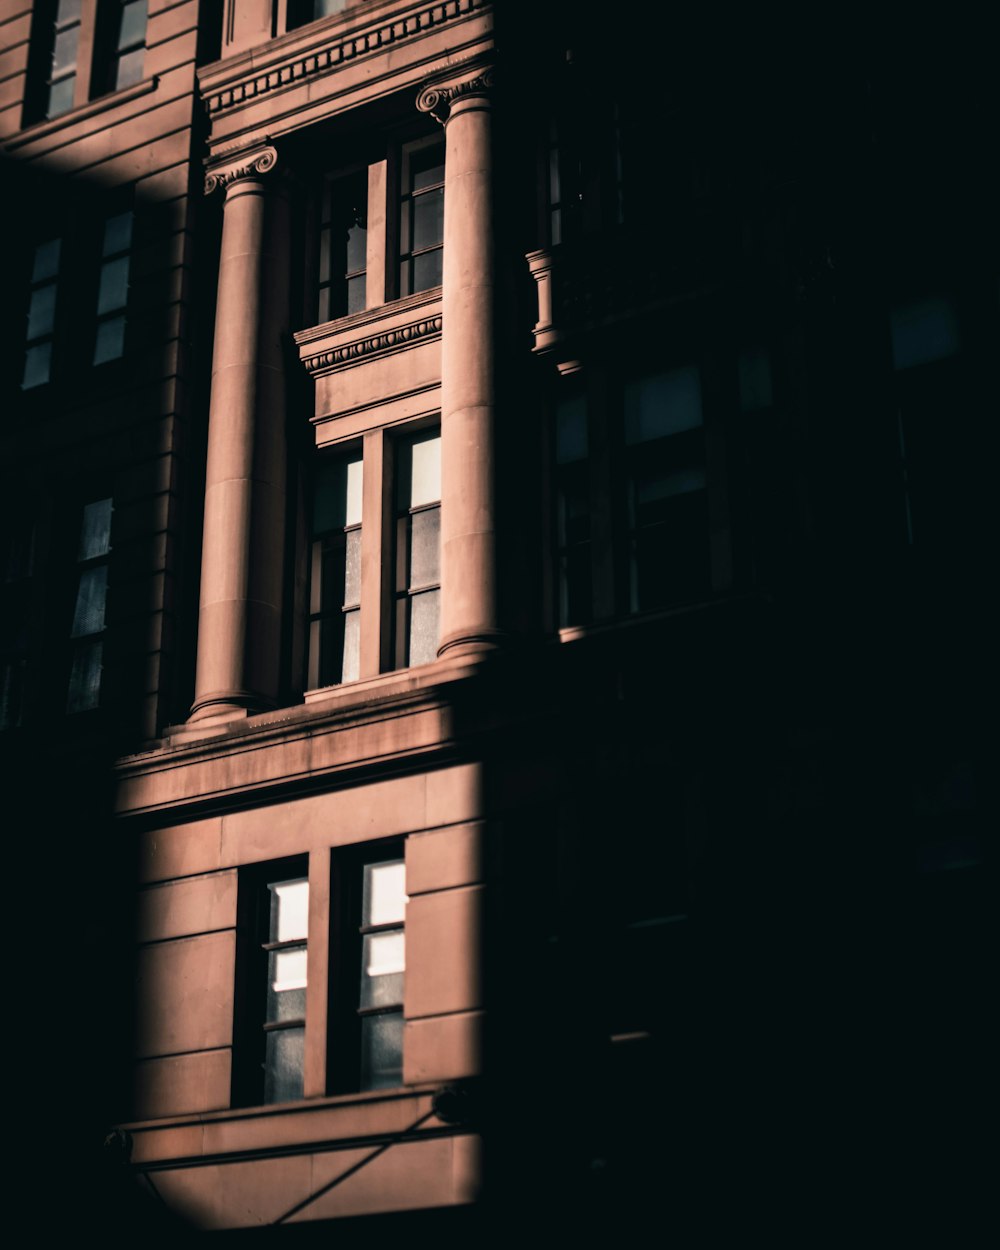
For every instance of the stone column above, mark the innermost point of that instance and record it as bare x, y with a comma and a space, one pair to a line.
468, 560
239, 624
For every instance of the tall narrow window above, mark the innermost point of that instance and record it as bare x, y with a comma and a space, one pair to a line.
335, 592
667, 504
284, 947
41, 315
573, 512
89, 609
129, 55
418, 549
343, 245
422, 216
61, 85
112, 293
383, 962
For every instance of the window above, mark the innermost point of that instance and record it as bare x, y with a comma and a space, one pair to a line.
61, 79
41, 314
121, 44
366, 1032
112, 293
335, 585
273, 928
418, 549
343, 245
421, 239
573, 521
89, 607
301, 12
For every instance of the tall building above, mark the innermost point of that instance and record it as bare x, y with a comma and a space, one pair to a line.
495, 615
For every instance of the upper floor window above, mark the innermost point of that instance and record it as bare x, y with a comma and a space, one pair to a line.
112, 294
301, 12
41, 314
421, 238
124, 44
335, 583
343, 256
90, 606
63, 69
418, 549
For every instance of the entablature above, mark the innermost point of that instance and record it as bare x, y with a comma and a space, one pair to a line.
332, 66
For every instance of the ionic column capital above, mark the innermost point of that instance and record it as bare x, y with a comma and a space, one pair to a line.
438, 98
246, 163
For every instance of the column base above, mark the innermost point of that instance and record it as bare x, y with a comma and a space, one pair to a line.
479, 643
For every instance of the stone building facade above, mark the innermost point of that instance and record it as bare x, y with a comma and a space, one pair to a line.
494, 588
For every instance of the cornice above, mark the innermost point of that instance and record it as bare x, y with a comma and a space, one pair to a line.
376, 332
41, 130
229, 166
226, 86
402, 336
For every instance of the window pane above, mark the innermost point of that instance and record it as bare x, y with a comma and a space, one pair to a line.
426, 271
352, 569
46, 261
428, 219
110, 343
357, 248
130, 66
114, 285
425, 629
88, 615
289, 910
36, 365
133, 27
337, 500
381, 1050
117, 234
283, 1063
922, 331
64, 50
425, 548
384, 893
422, 475
356, 294
427, 167
665, 403
382, 967
286, 984
351, 669
67, 11
85, 679
571, 430
61, 96
42, 311
95, 530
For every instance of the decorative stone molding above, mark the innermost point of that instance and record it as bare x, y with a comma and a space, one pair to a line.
243, 164
332, 54
361, 348
438, 98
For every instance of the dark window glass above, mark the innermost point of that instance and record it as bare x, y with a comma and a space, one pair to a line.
113, 287
41, 315
61, 85
422, 216
300, 12
383, 964
335, 592
667, 504
88, 622
343, 245
130, 52
573, 523
418, 549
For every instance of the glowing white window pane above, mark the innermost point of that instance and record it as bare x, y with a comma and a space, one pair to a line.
384, 893
922, 331
386, 954
425, 472
289, 910
289, 970
663, 404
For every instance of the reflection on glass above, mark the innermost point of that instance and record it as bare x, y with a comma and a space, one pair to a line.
37, 361
289, 910
117, 234
85, 678
95, 530
382, 961
283, 1065
61, 96
110, 344
425, 627
424, 478
381, 1050
384, 893
114, 285
425, 548
42, 311
88, 615
662, 404
351, 669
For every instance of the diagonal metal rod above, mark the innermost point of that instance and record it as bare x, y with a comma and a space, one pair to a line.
355, 1168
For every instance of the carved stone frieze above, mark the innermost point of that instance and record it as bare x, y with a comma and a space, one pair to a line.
318, 60
438, 98
399, 337
243, 164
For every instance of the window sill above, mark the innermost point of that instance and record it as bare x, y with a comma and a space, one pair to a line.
39, 130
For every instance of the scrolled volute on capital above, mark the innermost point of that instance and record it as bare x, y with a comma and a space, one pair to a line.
438, 98
246, 164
